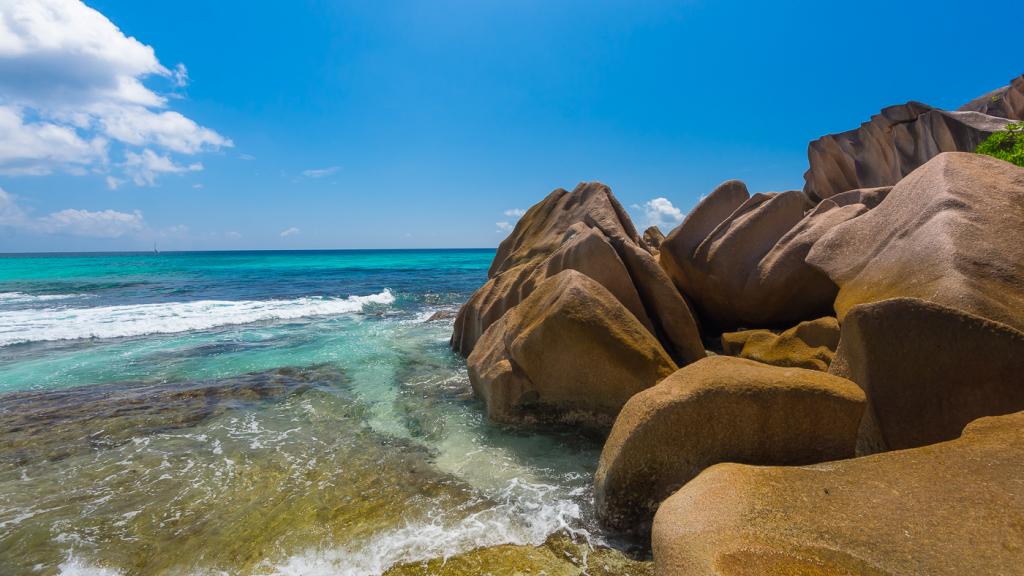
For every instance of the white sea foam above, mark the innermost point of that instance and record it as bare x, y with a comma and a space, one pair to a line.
77, 567
23, 298
525, 515
49, 324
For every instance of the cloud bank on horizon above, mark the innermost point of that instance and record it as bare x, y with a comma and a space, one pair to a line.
73, 99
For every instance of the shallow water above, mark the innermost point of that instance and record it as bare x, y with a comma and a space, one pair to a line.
258, 413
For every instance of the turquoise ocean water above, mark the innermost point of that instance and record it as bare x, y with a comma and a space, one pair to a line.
258, 413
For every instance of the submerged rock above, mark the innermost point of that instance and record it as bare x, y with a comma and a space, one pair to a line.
808, 345
740, 258
569, 352
928, 370
720, 409
946, 509
585, 230
948, 233
559, 556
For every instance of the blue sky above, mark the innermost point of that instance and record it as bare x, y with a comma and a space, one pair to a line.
279, 125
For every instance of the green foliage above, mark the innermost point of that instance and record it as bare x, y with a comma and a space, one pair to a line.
1006, 144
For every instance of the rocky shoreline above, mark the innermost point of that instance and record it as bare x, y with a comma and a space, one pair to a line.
818, 381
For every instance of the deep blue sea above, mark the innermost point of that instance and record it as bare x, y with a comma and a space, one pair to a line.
258, 413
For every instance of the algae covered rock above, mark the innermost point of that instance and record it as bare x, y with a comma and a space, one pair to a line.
558, 556
928, 370
947, 233
569, 352
808, 345
946, 509
720, 409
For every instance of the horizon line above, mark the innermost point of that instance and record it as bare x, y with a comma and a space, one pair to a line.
94, 252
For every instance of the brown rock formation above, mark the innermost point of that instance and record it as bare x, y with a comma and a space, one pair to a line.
946, 509
808, 345
569, 352
1005, 102
927, 370
948, 233
740, 258
585, 230
720, 409
901, 138
653, 238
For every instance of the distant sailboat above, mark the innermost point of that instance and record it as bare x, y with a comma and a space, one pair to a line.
155, 251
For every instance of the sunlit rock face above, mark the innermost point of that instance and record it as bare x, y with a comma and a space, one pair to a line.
946, 509
897, 140
586, 230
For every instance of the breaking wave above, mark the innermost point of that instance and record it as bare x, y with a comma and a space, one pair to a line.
51, 324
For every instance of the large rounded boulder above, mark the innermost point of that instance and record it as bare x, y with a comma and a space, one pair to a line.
585, 230
740, 258
720, 409
944, 510
948, 233
569, 352
927, 370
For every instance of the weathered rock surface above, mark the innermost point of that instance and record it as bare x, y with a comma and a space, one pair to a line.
585, 230
808, 345
653, 237
569, 352
901, 138
927, 370
720, 409
1005, 102
947, 233
740, 258
946, 509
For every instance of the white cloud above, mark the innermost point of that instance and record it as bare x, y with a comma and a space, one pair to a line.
660, 212
233, 235
505, 227
320, 172
101, 224
144, 167
197, 186
72, 92
10, 213
34, 148
515, 212
246, 157
114, 183
289, 232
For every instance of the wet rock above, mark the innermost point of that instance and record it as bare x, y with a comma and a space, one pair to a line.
569, 352
721, 409
927, 370
947, 233
808, 345
946, 509
559, 556
442, 315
